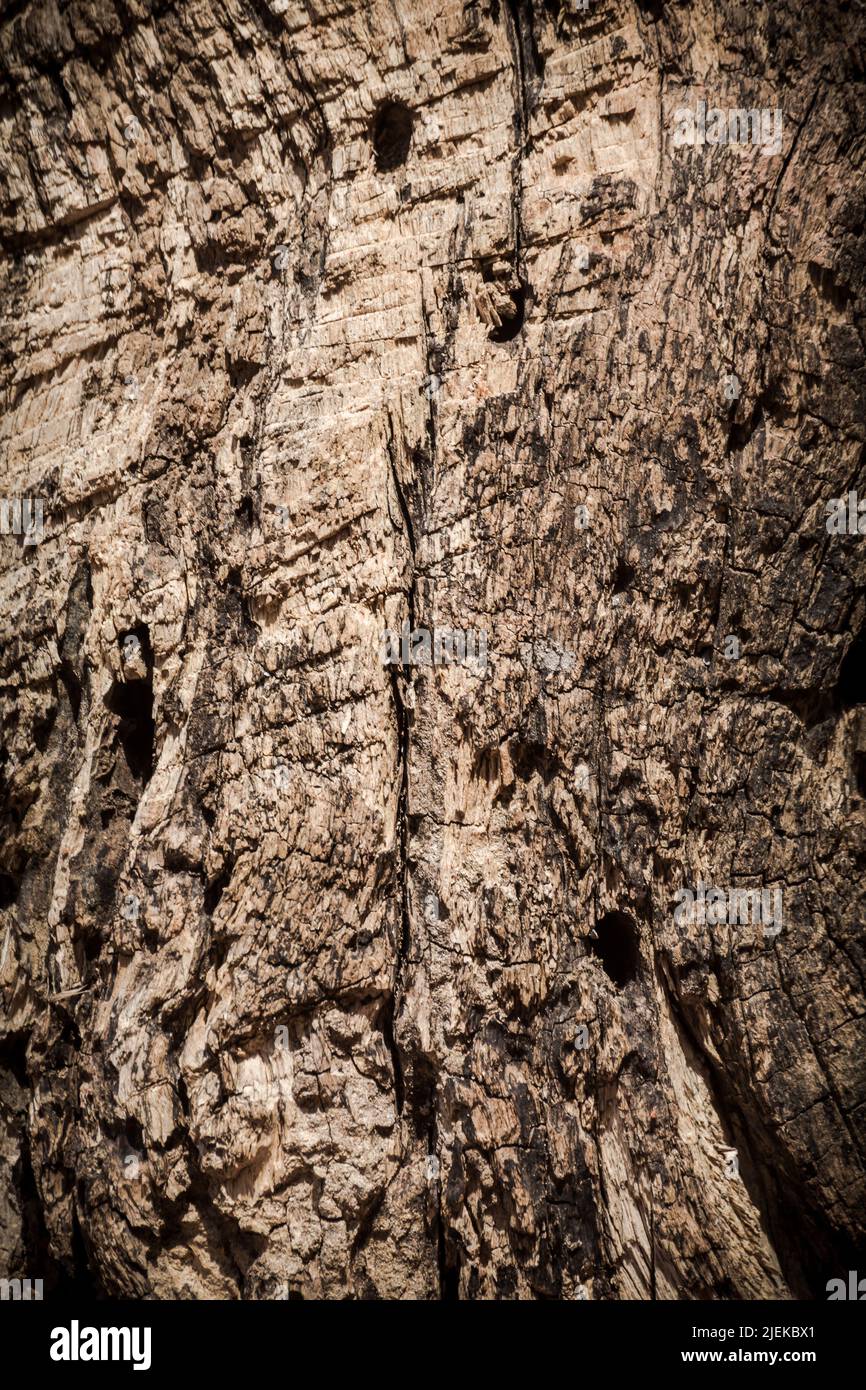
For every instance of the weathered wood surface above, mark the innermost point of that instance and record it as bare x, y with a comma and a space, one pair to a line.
323, 319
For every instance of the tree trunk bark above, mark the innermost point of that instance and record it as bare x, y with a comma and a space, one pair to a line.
433, 701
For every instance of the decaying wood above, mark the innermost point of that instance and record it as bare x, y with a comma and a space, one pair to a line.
331, 971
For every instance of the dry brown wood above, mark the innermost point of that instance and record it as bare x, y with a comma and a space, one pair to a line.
341, 959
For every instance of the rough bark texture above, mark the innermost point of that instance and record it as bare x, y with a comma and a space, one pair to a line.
319, 318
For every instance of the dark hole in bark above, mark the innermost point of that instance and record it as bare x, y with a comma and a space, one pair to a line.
623, 577
132, 702
617, 947
851, 685
531, 757
653, 9
8, 890
449, 1268
509, 328
392, 135
13, 1057
214, 891
42, 730
134, 1132
55, 72
91, 942
421, 1088
143, 634
183, 1095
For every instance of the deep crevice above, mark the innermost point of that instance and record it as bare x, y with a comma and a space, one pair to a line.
132, 702
386, 1025
449, 1271
215, 889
